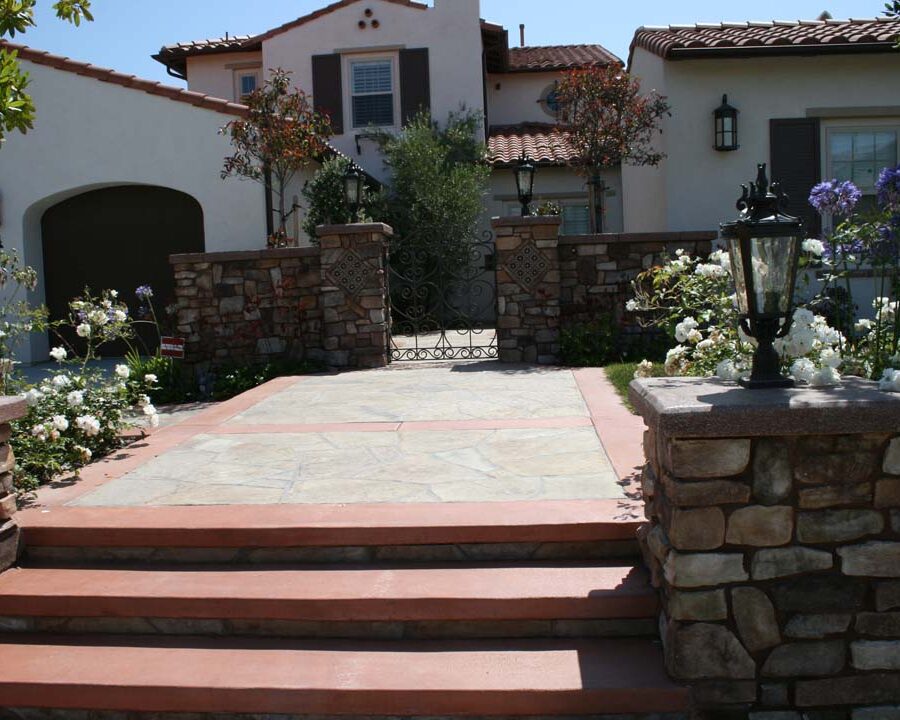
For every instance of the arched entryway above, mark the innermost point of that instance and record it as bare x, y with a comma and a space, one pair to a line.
117, 238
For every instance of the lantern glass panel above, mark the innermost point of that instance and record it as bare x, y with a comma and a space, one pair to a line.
524, 180
351, 189
771, 262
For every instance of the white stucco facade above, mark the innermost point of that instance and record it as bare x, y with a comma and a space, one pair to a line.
91, 134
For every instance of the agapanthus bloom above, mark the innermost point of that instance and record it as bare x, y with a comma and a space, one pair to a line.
144, 293
888, 187
835, 197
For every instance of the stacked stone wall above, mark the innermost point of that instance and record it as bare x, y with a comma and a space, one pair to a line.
11, 408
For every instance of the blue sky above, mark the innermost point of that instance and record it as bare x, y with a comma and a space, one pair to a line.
127, 32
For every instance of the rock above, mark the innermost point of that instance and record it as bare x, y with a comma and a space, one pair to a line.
875, 654
870, 689
708, 458
723, 692
761, 526
833, 526
648, 482
772, 476
658, 543
819, 595
781, 562
845, 468
877, 713
706, 652
10, 537
709, 605
873, 559
836, 495
817, 627
891, 464
231, 305
878, 624
887, 595
755, 618
706, 493
774, 695
8, 506
701, 529
809, 659
775, 715
887, 493
704, 569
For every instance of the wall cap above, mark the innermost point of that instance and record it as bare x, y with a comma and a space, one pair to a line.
526, 221
662, 237
12, 407
355, 229
712, 408
240, 255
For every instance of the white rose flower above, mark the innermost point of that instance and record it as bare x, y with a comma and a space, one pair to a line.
59, 354
710, 270
154, 421
632, 305
890, 381
727, 370
98, 317
121, 316
39, 431
863, 326
831, 358
61, 381
644, 369
826, 377
88, 424
33, 397
75, 398
84, 452
143, 400
803, 370
149, 410
721, 258
150, 379
60, 423
694, 336
114, 293
122, 371
813, 247
683, 329
83, 330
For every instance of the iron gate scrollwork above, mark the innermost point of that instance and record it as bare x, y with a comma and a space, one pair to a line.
443, 299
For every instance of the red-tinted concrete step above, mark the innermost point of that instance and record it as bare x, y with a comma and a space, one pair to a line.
286, 526
336, 595
334, 678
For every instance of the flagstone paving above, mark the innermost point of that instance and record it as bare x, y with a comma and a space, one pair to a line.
469, 432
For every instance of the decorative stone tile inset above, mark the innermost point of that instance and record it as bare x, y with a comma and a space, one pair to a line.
528, 265
351, 273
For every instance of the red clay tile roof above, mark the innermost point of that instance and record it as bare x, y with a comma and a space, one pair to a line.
558, 57
41, 57
745, 39
544, 143
175, 56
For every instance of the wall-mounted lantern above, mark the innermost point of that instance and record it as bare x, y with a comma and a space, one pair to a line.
764, 243
353, 191
525, 183
726, 118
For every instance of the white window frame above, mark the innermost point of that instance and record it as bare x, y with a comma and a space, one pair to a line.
239, 73
349, 60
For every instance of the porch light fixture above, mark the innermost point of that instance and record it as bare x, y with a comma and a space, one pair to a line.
764, 243
525, 183
726, 126
353, 191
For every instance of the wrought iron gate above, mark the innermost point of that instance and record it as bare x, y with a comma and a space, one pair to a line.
443, 300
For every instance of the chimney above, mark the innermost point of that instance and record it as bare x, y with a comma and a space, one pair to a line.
521, 34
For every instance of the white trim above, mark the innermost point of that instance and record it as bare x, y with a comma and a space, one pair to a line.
348, 60
238, 74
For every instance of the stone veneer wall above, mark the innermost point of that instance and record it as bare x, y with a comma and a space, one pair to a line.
774, 537
327, 303
11, 408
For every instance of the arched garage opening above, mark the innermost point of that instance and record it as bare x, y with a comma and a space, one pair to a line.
117, 238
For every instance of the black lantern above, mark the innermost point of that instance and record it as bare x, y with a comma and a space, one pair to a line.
353, 191
525, 184
764, 243
726, 126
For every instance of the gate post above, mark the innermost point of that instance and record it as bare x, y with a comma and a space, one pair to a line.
528, 289
356, 320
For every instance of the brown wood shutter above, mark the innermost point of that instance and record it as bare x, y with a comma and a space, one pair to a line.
797, 165
415, 83
328, 89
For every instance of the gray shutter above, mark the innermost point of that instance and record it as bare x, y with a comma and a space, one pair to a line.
797, 165
415, 83
328, 89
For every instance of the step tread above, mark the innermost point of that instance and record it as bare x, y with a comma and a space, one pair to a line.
338, 677
341, 594
329, 525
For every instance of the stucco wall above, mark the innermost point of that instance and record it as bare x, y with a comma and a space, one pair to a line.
696, 187
91, 134
515, 97
214, 74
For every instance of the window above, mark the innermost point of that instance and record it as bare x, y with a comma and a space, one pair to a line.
576, 218
246, 82
860, 155
372, 92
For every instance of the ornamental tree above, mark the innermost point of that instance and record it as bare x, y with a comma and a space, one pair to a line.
281, 134
16, 16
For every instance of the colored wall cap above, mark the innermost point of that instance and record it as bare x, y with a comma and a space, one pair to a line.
355, 229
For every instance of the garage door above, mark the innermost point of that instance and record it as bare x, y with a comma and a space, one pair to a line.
117, 238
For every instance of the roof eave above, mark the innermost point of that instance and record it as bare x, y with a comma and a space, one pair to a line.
777, 51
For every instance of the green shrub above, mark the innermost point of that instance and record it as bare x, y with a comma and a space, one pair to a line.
172, 383
324, 196
592, 344
229, 382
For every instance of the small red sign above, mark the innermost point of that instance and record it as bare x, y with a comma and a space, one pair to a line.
172, 347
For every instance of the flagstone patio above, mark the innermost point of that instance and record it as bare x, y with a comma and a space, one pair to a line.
467, 432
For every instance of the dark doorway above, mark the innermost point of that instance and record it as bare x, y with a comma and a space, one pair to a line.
117, 238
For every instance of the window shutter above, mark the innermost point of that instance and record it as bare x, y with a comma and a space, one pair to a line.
328, 90
797, 165
415, 83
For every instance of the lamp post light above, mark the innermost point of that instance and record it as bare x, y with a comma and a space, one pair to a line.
525, 183
726, 119
353, 191
764, 243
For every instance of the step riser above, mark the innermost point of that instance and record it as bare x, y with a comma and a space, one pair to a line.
39, 714
385, 554
427, 630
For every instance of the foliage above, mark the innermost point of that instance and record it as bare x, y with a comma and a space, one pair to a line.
16, 17
593, 344
548, 209
610, 122
19, 318
229, 382
621, 375
173, 384
324, 195
282, 134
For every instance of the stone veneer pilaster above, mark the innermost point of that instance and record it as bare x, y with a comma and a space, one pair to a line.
354, 295
528, 289
774, 538
11, 408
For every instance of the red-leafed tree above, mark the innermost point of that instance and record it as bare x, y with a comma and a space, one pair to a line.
281, 134
608, 119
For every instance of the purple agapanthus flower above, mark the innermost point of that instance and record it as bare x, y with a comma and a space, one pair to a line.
888, 187
144, 293
886, 250
835, 197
